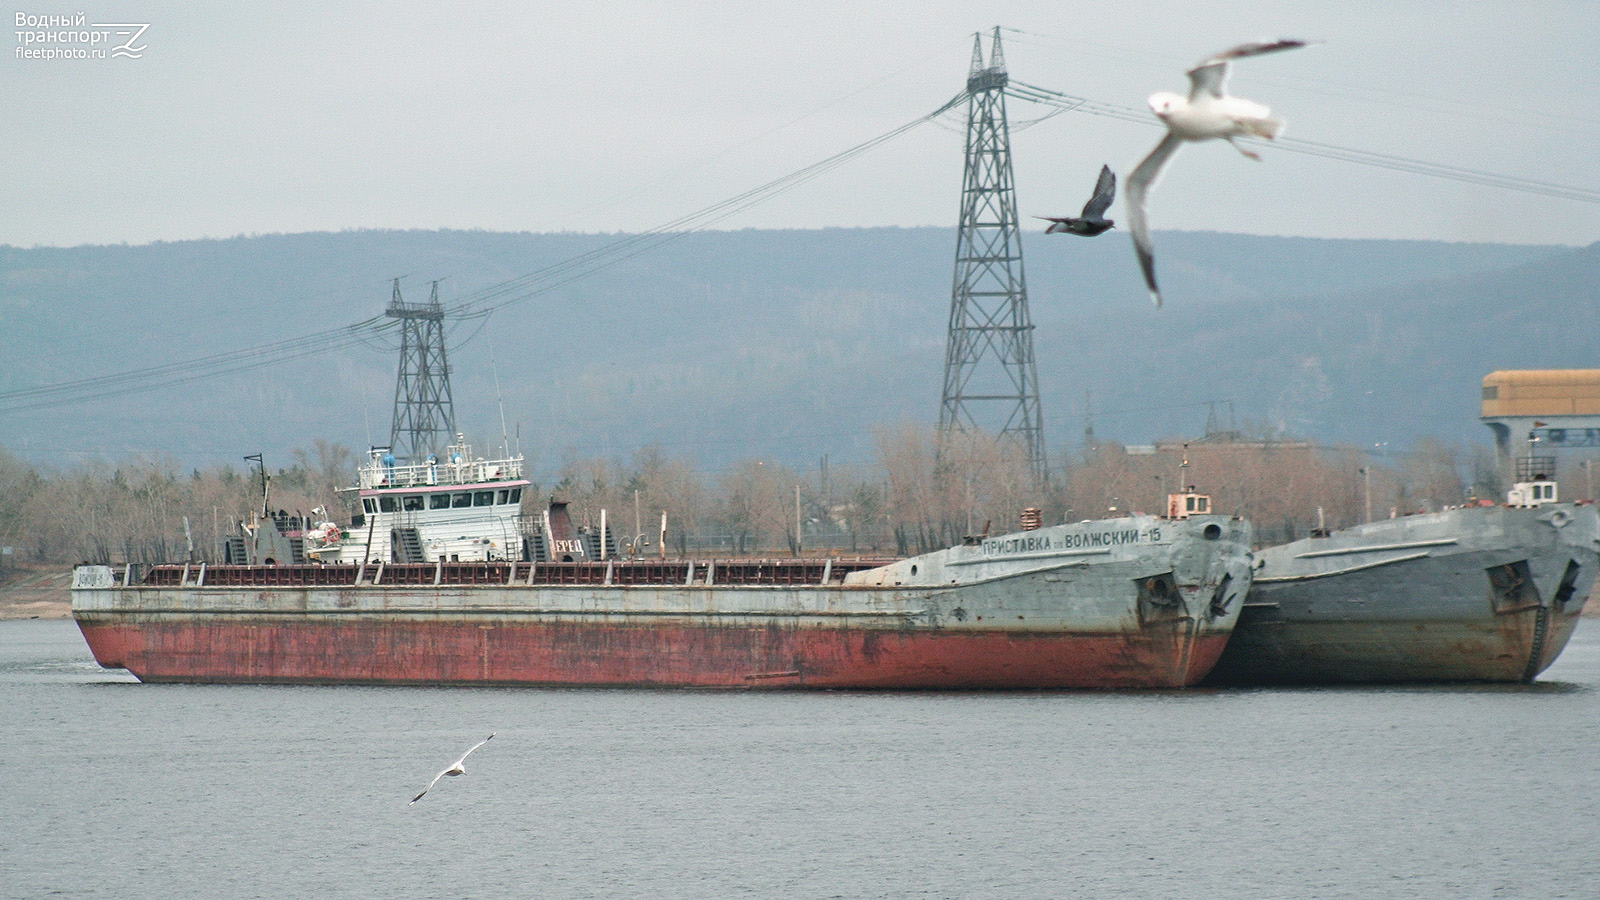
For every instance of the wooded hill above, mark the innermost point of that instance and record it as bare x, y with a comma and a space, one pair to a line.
782, 345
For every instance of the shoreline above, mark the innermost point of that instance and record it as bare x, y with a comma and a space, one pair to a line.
36, 592
38, 609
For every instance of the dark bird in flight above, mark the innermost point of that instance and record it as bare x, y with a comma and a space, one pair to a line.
1207, 113
453, 769
1093, 220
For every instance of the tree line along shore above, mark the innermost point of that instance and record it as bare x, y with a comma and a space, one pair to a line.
922, 491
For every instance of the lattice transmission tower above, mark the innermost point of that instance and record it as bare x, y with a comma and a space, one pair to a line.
424, 410
990, 380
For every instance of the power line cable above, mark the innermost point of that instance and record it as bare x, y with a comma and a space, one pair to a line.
477, 305
1036, 94
1568, 120
124, 383
516, 290
726, 151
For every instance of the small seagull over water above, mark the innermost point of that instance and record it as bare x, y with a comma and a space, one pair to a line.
454, 768
1207, 113
1093, 220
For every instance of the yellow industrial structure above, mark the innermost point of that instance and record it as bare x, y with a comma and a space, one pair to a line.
1550, 407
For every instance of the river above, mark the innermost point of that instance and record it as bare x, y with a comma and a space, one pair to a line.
123, 790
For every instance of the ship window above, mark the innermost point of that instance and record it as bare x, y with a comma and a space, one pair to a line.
516, 495
387, 504
483, 498
438, 501
369, 504
413, 502
502, 496
460, 501
1191, 504
1203, 503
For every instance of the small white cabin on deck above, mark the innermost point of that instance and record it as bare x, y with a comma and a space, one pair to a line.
1535, 484
459, 509
1188, 503
1531, 493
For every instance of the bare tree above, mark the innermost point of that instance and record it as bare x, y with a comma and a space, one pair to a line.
1432, 475
756, 502
667, 486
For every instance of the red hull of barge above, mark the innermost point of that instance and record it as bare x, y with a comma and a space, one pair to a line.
267, 649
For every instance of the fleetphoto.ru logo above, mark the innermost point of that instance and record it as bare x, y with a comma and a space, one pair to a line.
74, 37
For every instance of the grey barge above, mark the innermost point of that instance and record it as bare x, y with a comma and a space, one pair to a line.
1479, 593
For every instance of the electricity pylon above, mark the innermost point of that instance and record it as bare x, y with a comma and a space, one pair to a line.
990, 380
424, 410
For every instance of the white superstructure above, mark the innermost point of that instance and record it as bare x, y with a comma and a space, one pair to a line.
458, 509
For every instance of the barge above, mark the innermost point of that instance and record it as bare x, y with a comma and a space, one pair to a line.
1133, 602
1478, 593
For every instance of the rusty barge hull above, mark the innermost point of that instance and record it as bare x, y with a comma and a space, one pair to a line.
1489, 594
1062, 610
778, 654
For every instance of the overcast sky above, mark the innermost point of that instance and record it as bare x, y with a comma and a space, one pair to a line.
242, 118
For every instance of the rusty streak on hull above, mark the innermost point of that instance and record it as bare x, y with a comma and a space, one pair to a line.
401, 650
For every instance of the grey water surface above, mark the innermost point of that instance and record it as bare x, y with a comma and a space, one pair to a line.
117, 789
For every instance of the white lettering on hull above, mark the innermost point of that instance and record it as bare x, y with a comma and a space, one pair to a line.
1087, 540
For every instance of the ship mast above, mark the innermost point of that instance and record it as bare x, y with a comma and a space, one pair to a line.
262, 466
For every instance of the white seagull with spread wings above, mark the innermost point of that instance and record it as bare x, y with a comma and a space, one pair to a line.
1207, 113
454, 768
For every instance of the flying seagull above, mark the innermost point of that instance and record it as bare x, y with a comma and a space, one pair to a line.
1207, 113
455, 768
1093, 220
